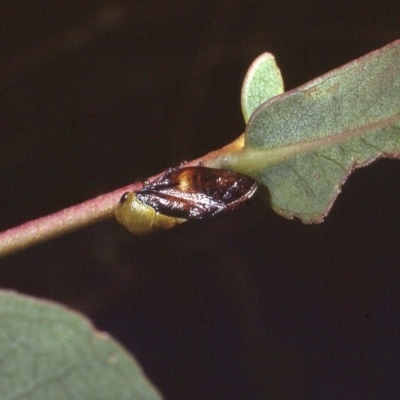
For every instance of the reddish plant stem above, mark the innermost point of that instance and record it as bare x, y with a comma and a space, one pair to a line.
87, 213
62, 222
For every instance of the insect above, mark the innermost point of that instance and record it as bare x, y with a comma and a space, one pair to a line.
181, 194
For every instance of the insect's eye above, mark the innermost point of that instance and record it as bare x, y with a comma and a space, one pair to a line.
123, 198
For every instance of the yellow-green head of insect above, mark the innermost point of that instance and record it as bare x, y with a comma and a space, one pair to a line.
140, 218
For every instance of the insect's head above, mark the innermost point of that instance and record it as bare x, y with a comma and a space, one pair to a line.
140, 218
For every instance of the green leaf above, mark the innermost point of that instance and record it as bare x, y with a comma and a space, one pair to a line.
262, 81
48, 352
303, 144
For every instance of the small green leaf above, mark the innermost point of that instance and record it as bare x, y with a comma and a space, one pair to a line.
263, 81
303, 144
50, 353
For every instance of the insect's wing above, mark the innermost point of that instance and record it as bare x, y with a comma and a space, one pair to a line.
175, 203
197, 192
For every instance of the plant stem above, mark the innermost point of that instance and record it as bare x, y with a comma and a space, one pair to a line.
65, 221
87, 213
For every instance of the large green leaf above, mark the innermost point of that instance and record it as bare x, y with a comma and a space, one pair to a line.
303, 144
48, 352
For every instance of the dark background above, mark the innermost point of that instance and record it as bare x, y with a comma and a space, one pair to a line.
94, 94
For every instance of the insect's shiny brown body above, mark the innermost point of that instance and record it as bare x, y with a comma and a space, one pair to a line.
197, 192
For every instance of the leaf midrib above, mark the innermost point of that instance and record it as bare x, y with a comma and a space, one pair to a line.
249, 159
